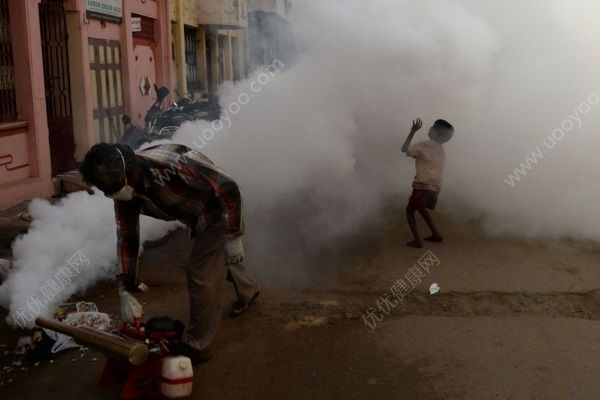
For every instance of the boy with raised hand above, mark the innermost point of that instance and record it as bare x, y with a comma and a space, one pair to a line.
429, 161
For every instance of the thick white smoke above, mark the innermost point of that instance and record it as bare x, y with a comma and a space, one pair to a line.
317, 148
78, 223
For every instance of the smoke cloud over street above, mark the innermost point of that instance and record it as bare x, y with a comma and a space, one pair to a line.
317, 150
315, 147
80, 224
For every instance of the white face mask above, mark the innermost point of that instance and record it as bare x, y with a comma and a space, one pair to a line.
126, 192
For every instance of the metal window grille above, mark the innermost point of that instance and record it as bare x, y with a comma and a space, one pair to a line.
56, 59
235, 58
221, 57
191, 44
8, 107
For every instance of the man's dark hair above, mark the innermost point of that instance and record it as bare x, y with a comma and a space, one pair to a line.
103, 166
443, 124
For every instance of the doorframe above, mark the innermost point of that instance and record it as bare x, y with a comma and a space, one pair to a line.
64, 78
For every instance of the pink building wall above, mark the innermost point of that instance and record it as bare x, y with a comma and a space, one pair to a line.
25, 170
25, 143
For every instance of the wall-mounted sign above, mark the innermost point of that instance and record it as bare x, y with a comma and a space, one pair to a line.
111, 10
136, 24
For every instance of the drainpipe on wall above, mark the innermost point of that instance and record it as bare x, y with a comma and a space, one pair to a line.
179, 40
127, 62
228, 57
165, 51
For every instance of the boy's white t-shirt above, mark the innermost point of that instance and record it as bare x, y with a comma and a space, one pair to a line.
429, 160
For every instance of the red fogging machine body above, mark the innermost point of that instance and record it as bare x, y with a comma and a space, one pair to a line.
138, 357
142, 381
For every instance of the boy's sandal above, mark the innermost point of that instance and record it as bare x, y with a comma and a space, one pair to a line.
238, 308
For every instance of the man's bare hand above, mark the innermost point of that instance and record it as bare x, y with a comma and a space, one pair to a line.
417, 124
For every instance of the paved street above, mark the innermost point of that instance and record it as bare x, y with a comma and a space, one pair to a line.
302, 138
513, 320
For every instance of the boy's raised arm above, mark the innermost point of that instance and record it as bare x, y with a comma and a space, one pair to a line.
417, 124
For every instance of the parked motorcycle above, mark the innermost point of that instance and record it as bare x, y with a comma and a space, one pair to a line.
200, 109
134, 137
159, 123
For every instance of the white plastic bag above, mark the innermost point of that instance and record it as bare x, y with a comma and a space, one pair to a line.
434, 288
61, 341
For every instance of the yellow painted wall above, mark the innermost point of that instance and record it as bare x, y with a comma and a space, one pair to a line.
225, 17
274, 6
223, 12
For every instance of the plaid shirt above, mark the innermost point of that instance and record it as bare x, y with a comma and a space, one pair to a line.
180, 184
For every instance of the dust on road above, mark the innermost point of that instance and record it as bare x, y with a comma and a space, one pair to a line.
310, 342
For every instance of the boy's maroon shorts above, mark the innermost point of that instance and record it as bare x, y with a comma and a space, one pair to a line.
422, 199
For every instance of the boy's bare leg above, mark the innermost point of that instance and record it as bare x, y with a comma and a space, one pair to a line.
412, 222
435, 234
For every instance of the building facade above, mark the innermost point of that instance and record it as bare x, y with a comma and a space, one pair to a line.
69, 69
270, 37
209, 40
